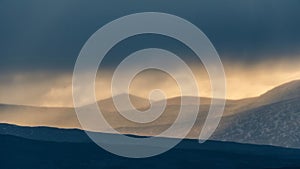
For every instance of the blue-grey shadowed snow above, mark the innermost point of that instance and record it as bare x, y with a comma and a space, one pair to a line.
48, 35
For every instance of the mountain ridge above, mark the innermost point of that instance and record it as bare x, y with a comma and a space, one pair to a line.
234, 110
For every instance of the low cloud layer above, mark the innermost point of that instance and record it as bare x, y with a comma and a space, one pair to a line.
55, 89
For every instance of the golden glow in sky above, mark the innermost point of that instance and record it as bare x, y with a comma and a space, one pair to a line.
242, 81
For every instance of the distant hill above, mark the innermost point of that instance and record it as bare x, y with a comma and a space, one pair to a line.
283, 92
38, 116
107, 105
272, 118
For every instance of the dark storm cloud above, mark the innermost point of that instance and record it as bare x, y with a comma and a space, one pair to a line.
48, 35
40, 41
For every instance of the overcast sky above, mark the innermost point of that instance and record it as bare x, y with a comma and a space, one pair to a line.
40, 41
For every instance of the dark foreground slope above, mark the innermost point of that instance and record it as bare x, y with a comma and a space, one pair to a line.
23, 153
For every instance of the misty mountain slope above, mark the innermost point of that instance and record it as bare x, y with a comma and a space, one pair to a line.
38, 116
231, 106
164, 122
282, 92
66, 117
268, 119
274, 124
272, 119
59, 116
107, 105
18, 152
